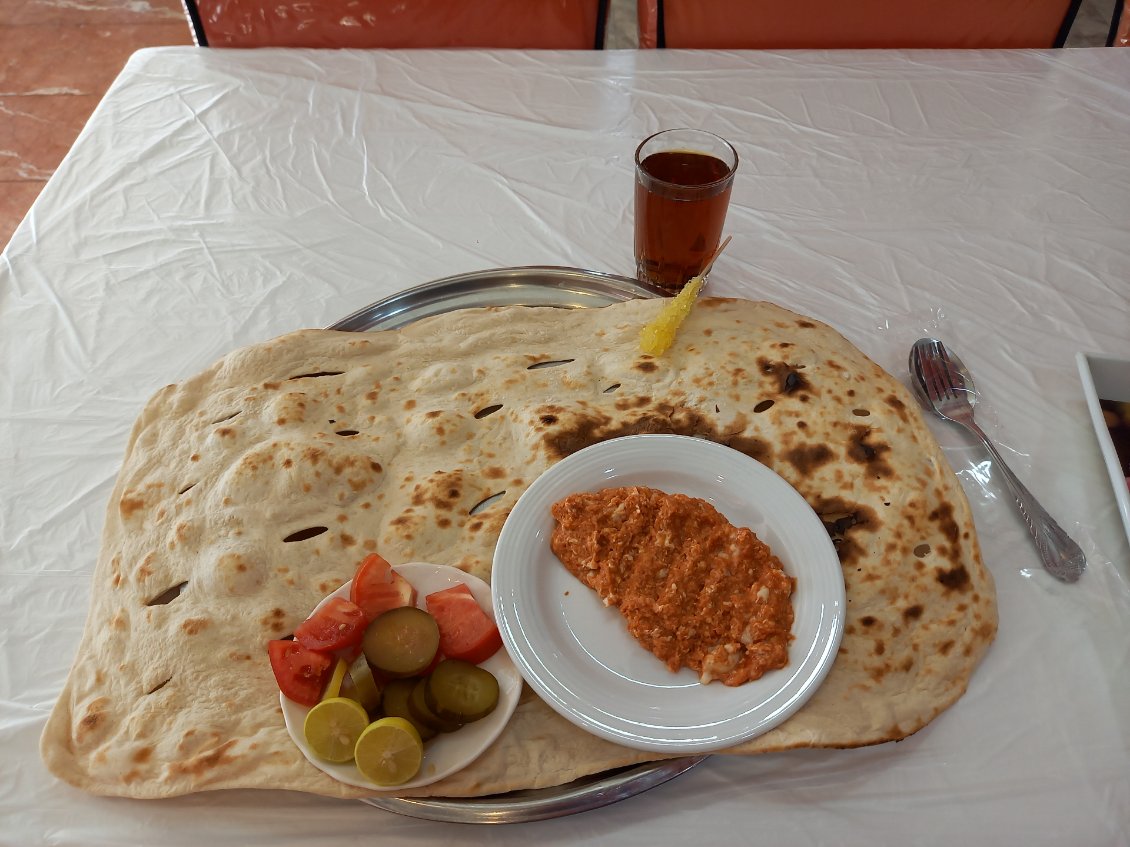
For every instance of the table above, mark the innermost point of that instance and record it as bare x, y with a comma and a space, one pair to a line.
219, 198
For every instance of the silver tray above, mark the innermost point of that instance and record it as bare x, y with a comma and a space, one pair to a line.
567, 288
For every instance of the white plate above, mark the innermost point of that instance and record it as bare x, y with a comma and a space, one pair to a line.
578, 654
447, 752
1107, 378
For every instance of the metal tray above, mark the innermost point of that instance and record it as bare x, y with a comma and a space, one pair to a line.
567, 288
541, 803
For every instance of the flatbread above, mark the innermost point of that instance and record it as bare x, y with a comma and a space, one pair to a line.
252, 490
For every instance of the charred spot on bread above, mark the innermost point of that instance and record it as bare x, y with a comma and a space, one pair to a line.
954, 579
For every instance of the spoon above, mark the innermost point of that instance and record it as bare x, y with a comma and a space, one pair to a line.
944, 385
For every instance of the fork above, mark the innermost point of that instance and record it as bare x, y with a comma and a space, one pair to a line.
943, 383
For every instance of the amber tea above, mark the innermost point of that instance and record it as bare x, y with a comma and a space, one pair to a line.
683, 183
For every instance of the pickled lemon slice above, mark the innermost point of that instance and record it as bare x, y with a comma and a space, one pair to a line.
658, 335
333, 727
333, 687
389, 751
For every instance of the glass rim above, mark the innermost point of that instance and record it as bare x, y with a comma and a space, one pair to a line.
733, 169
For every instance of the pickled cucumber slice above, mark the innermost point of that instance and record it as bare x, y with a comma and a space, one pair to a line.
422, 713
364, 688
389, 751
394, 703
402, 641
461, 692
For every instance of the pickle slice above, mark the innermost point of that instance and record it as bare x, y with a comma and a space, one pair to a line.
394, 703
460, 691
422, 713
402, 641
363, 685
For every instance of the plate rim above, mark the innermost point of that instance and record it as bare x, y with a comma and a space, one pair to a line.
826, 640
1092, 368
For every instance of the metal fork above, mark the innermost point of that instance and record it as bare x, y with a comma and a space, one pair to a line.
942, 382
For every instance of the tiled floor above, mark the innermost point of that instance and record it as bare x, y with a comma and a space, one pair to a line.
57, 58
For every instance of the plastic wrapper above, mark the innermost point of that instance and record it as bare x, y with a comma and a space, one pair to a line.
220, 198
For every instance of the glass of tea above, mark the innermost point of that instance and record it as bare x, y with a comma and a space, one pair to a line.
683, 182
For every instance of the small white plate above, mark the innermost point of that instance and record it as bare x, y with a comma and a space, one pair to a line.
447, 752
579, 656
1107, 378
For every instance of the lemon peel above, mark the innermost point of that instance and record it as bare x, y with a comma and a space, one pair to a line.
333, 687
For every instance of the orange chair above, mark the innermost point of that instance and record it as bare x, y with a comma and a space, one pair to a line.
1119, 26
829, 24
549, 24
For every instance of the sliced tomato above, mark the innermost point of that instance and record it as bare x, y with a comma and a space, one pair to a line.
300, 673
377, 587
465, 631
338, 625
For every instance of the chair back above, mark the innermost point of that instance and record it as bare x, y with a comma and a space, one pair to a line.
830, 24
531, 24
1119, 26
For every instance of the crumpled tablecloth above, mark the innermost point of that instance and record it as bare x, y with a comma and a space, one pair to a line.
219, 198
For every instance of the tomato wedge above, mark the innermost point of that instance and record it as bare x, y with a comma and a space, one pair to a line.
377, 587
300, 673
465, 631
337, 625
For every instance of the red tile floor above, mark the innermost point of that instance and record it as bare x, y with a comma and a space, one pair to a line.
57, 58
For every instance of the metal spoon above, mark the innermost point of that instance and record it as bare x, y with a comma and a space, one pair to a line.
944, 385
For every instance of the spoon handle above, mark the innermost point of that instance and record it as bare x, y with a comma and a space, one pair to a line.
1061, 556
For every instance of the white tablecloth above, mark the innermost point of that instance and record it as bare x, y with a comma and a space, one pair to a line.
220, 198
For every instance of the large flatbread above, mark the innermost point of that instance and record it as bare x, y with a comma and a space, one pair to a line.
252, 490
